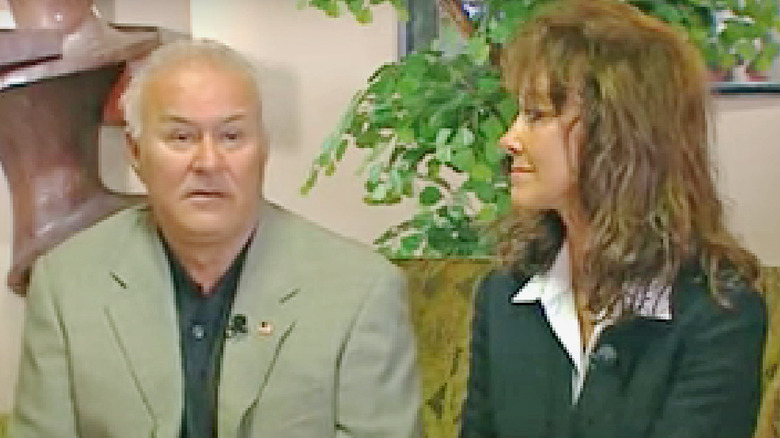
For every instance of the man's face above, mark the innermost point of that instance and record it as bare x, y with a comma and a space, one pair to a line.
202, 151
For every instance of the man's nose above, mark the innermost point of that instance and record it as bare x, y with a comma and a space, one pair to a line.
207, 153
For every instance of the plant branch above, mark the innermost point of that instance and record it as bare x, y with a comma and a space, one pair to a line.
454, 11
438, 181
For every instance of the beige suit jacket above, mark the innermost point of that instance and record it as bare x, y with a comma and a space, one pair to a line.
101, 353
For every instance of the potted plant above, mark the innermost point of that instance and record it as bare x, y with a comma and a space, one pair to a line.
429, 123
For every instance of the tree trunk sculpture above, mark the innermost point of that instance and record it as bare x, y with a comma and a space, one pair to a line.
51, 109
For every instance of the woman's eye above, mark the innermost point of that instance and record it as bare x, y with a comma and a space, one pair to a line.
535, 114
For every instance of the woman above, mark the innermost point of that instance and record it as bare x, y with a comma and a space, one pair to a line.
623, 307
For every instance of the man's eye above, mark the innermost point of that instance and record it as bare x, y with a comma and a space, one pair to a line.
232, 136
180, 137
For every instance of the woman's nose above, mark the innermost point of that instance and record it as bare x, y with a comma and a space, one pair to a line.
511, 141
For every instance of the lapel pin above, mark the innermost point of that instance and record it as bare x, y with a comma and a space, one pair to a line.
265, 328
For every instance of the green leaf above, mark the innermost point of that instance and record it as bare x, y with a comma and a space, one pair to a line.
405, 134
380, 192
498, 31
727, 60
488, 84
503, 202
354, 6
485, 192
310, 182
341, 149
492, 129
745, 49
507, 108
403, 14
764, 60
374, 173
668, 13
441, 239
481, 172
332, 9
493, 154
408, 86
430, 196
410, 244
364, 16
367, 139
464, 137
478, 49
463, 160
442, 136
444, 153
423, 220
487, 213
396, 181
324, 159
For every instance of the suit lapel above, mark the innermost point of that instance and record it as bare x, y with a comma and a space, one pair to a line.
537, 371
143, 318
530, 371
266, 294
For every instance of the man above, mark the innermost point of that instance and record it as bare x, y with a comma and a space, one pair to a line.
209, 312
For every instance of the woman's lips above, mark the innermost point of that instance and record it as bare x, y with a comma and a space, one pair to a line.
522, 169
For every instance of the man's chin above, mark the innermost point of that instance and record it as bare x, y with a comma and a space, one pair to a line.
202, 227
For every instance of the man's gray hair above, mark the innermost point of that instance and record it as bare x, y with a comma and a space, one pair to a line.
175, 53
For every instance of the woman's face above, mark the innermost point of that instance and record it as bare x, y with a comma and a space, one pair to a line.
543, 148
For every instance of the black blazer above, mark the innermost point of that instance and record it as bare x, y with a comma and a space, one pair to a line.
695, 376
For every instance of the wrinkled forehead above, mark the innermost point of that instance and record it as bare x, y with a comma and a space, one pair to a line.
200, 87
178, 70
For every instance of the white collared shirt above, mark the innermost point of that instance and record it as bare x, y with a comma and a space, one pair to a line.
553, 290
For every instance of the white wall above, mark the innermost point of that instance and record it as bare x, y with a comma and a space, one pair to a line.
6, 20
747, 153
312, 65
168, 14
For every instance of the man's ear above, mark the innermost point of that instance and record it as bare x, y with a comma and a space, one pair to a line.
133, 152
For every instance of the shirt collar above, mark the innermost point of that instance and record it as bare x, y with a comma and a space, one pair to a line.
550, 287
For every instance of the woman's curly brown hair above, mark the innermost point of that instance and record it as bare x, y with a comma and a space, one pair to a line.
644, 173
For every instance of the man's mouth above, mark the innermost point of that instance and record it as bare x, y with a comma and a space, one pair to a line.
206, 193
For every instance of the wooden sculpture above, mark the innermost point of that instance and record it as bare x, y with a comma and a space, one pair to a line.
52, 100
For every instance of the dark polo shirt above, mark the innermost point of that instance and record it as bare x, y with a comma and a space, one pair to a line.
203, 321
